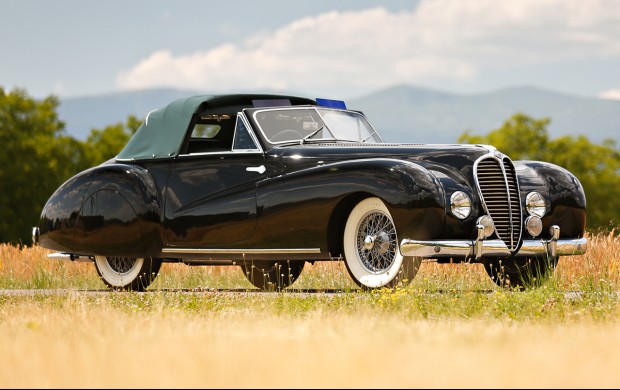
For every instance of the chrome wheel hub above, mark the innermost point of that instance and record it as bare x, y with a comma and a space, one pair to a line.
381, 240
376, 242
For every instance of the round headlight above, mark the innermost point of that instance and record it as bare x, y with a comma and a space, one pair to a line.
460, 204
535, 204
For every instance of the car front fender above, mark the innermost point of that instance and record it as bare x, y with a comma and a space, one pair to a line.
563, 193
296, 208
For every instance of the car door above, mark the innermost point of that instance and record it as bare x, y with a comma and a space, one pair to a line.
211, 189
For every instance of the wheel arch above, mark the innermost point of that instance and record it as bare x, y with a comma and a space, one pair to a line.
338, 220
417, 214
412, 194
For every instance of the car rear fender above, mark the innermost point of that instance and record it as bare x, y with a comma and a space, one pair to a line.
111, 210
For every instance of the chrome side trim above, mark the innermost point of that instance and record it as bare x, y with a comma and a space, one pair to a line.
199, 251
491, 248
221, 153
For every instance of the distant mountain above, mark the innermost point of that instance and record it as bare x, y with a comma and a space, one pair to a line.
411, 114
81, 114
401, 113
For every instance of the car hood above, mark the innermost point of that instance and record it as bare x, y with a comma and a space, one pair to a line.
435, 157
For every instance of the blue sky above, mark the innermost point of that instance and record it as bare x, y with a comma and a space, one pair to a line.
338, 49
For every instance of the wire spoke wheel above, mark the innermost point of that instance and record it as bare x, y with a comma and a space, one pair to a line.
376, 242
127, 273
371, 248
122, 265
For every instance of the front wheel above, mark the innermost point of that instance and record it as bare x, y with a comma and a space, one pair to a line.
127, 273
272, 275
520, 272
371, 248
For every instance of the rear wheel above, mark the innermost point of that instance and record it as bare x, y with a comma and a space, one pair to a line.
127, 273
520, 272
371, 248
271, 275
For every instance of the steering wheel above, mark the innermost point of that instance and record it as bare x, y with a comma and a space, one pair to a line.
281, 135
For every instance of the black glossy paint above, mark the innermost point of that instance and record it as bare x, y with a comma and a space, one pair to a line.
302, 199
210, 200
564, 195
112, 209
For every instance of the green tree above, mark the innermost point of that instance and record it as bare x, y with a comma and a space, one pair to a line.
596, 166
104, 144
522, 137
37, 157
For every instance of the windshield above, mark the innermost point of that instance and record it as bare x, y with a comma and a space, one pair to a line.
304, 125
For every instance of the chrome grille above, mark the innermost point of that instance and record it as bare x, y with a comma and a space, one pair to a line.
497, 182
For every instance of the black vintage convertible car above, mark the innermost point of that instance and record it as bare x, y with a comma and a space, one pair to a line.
270, 182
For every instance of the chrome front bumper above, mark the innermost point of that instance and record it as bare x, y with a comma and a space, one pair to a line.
478, 248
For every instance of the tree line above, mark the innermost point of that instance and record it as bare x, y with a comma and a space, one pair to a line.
597, 166
38, 156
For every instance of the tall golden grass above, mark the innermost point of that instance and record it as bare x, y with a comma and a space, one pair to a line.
170, 339
600, 266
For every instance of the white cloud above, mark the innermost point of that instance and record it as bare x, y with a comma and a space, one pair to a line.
363, 50
58, 88
612, 94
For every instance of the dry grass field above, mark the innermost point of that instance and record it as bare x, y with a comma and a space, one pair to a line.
82, 347
197, 327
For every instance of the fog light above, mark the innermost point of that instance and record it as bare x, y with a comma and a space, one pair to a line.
460, 204
487, 222
533, 225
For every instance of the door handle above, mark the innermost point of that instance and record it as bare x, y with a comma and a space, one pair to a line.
261, 169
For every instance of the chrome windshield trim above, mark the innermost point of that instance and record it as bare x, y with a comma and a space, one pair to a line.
316, 109
491, 248
246, 123
199, 251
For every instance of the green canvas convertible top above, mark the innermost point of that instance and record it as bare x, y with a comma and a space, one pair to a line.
163, 130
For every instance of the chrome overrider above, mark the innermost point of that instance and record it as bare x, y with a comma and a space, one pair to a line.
478, 248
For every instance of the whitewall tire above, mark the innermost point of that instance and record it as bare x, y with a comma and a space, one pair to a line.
371, 248
127, 273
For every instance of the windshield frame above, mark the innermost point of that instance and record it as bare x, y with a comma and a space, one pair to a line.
318, 110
